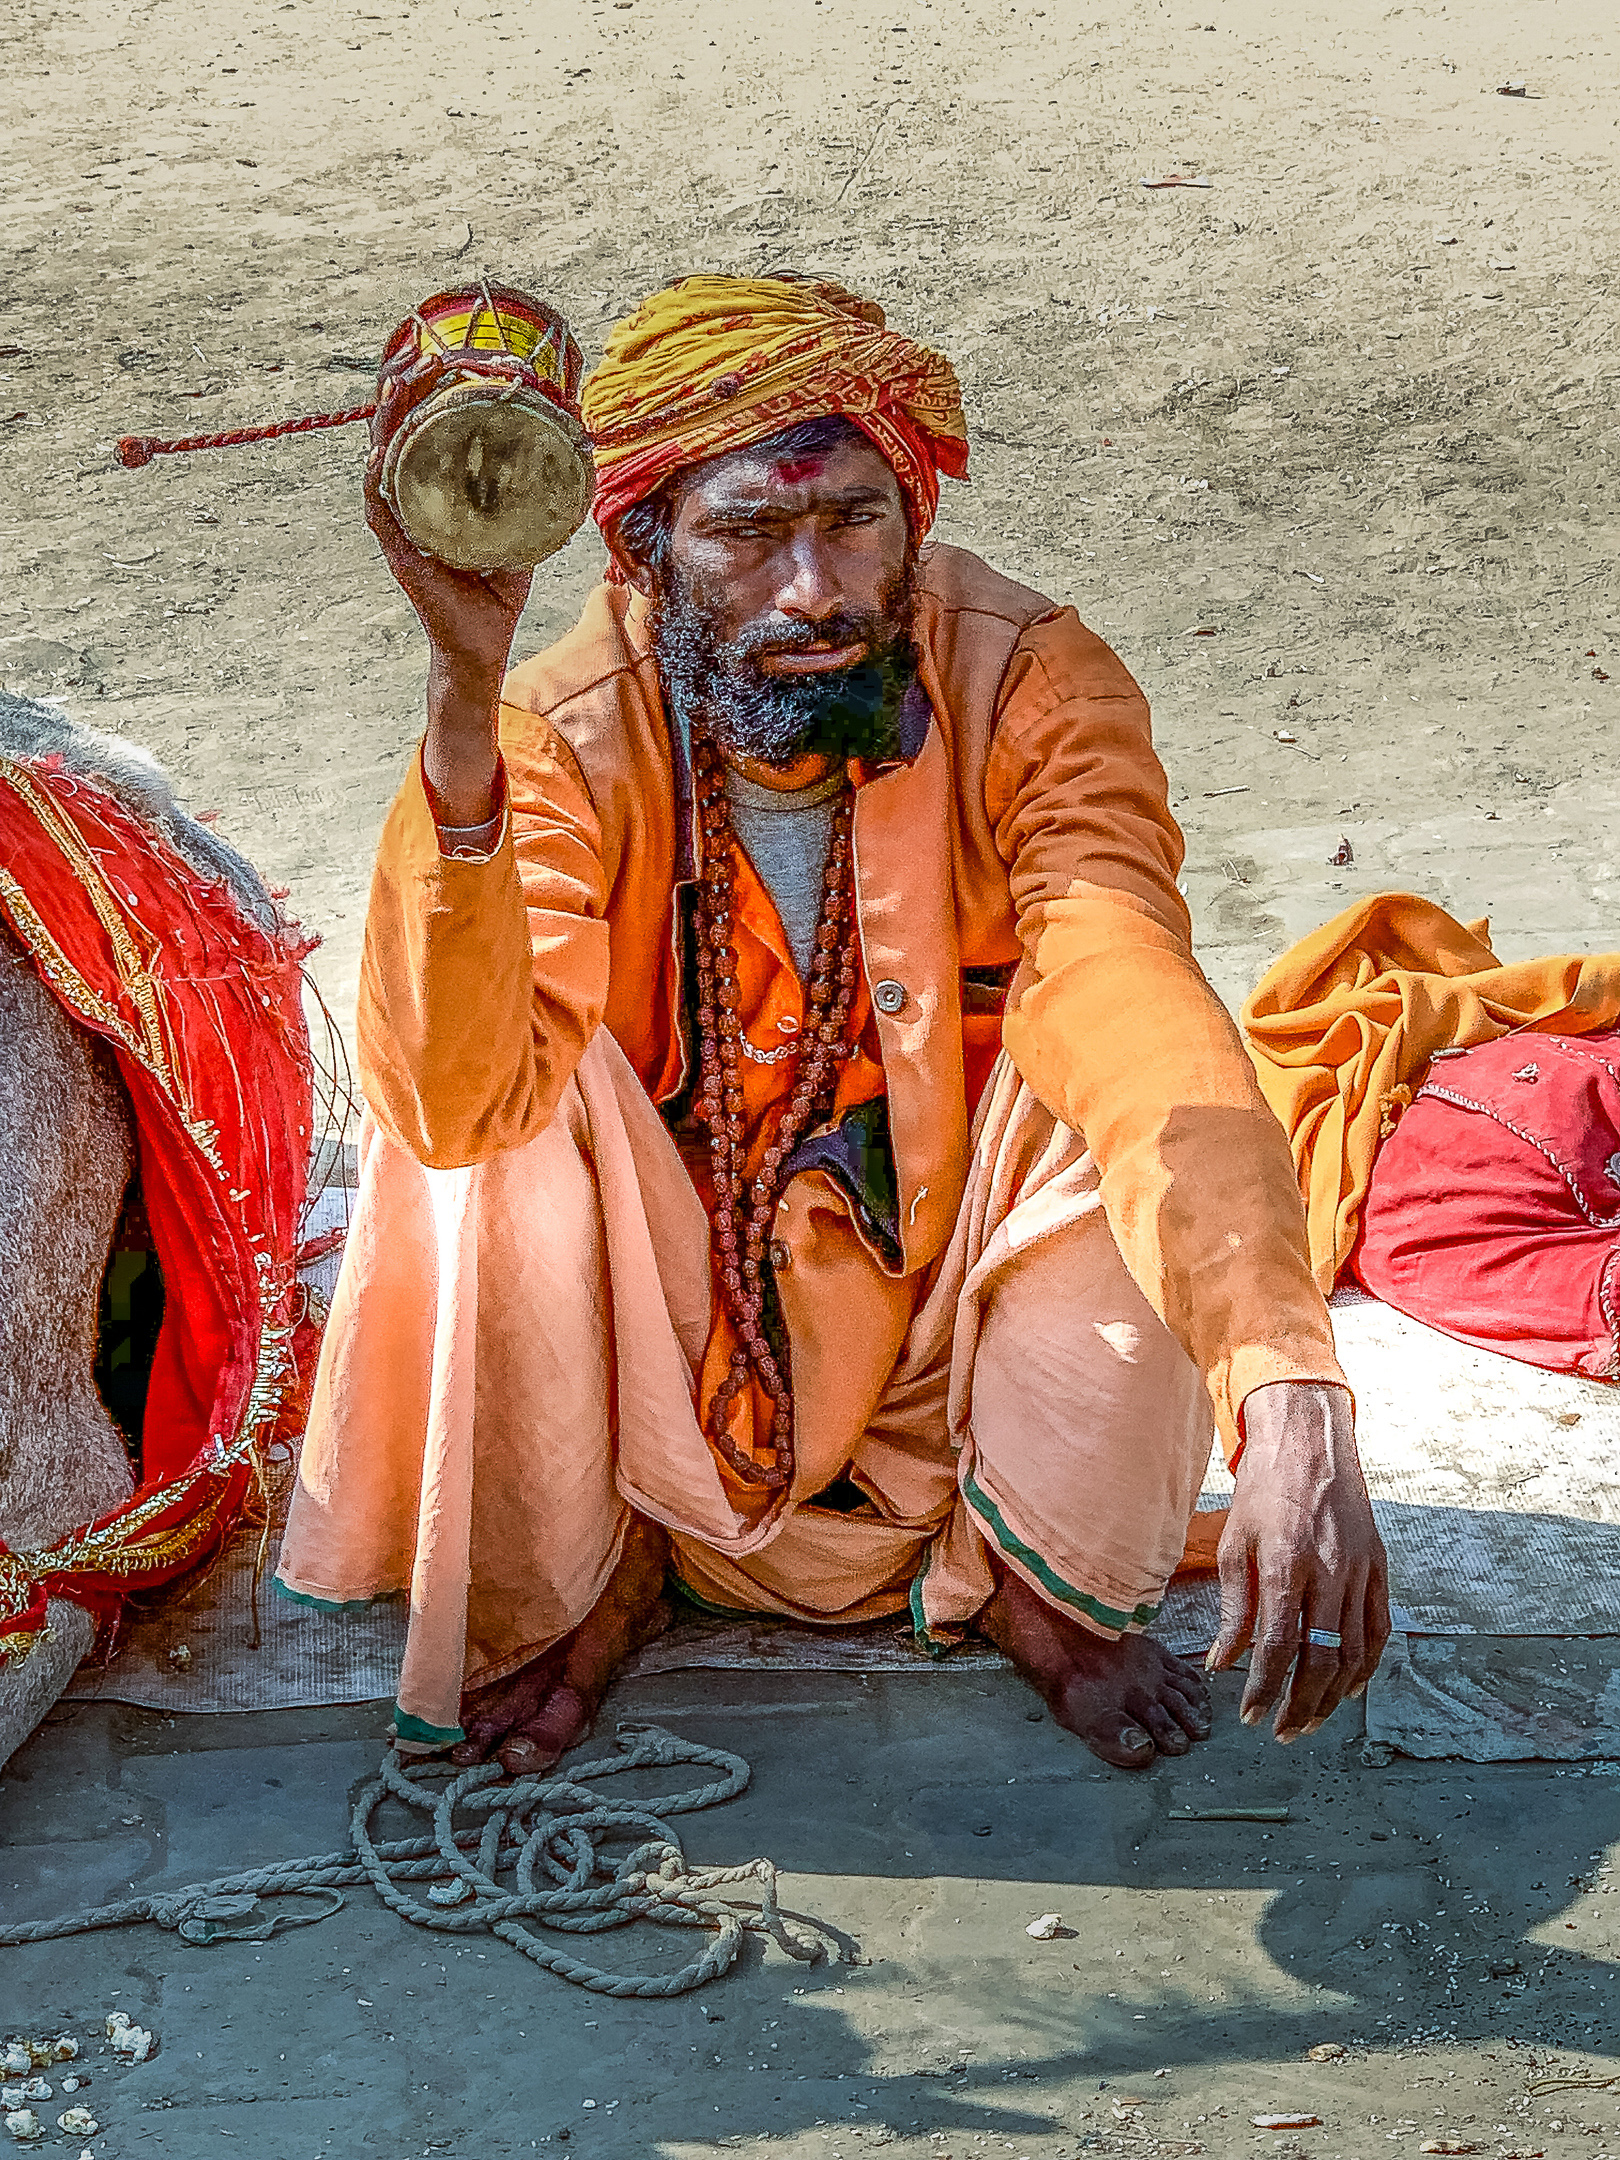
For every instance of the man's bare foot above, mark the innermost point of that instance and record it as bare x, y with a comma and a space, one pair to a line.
1128, 1700
535, 1715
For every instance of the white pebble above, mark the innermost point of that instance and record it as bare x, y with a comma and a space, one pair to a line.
78, 2122
1045, 1927
129, 2038
25, 2126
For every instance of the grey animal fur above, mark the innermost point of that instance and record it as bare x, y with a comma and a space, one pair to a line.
67, 1152
31, 730
29, 1690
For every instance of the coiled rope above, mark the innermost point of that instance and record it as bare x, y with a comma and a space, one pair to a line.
532, 1827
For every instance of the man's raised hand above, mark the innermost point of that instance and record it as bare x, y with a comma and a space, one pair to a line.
1301, 1552
470, 617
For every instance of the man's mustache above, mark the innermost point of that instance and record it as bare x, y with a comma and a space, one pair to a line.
760, 640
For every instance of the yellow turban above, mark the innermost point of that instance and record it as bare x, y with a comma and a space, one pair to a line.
715, 363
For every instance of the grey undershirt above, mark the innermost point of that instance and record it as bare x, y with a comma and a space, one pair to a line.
788, 837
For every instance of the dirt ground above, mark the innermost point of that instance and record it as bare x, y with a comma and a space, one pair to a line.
1350, 410
1351, 407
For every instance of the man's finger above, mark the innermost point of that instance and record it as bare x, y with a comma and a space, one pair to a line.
1353, 1627
1313, 1695
1375, 1625
1235, 1560
1276, 1644
1322, 1671
390, 534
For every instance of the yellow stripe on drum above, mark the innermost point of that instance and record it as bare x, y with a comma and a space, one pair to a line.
529, 339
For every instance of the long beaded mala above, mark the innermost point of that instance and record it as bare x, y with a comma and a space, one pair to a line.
743, 1210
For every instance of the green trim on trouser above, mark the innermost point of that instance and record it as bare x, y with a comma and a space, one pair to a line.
937, 1646
1013, 1545
413, 1730
678, 1587
326, 1605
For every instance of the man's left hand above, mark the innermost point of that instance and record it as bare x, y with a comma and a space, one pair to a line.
1301, 1552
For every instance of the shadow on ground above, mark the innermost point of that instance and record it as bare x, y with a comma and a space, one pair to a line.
928, 1818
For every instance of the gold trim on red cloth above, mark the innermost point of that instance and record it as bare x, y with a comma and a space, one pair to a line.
167, 1527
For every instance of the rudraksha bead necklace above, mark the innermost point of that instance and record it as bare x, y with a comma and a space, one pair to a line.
743, 1208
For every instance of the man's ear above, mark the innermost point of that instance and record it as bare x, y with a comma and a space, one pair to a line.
634, 572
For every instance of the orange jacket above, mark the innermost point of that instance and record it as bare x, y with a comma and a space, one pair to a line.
1029, 831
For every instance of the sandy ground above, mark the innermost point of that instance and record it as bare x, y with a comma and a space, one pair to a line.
1306, 408
1351, 411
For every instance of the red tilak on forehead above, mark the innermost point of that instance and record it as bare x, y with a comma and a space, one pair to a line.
791, 469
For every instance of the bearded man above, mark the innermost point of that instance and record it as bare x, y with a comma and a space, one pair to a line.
804, 1164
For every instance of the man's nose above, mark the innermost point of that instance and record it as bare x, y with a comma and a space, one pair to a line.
807, 590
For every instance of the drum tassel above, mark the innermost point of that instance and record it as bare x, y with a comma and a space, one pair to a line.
137, 450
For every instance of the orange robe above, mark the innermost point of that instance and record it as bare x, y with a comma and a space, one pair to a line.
1026, 1354
1029, 831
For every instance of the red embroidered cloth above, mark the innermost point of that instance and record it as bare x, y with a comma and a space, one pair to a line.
1494, 1207
202, 1008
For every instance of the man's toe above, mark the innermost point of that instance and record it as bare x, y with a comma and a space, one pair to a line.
524, 1756
1169, 1736
491, 1713
561, 1719
1119, 1739
1191, 1710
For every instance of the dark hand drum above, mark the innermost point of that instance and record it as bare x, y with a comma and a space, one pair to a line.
490, 469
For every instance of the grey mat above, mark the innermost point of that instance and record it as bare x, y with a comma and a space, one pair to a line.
1497, 1698
1497, 1486
1187, 1623
193, 1648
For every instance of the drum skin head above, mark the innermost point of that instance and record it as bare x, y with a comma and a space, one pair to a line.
489, 477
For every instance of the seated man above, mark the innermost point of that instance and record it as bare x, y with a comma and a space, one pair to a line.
804, 1162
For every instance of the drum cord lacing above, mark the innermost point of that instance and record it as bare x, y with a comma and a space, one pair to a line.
532, 1826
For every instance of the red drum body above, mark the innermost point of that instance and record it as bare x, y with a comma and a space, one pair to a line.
491, 468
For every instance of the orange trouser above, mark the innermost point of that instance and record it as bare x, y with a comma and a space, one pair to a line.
508, 1373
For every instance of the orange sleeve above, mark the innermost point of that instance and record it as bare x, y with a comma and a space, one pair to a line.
1113, 1025
481, 982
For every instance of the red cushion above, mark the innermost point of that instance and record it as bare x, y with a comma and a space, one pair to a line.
1494, 1207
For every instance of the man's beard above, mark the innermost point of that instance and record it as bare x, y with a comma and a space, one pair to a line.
720, 684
